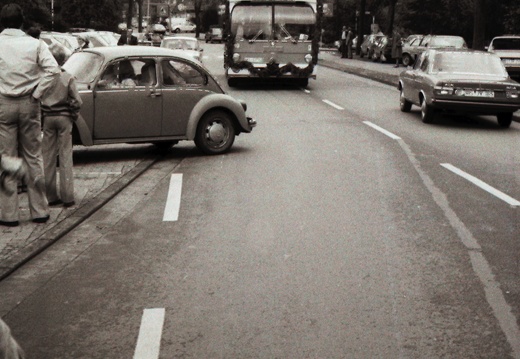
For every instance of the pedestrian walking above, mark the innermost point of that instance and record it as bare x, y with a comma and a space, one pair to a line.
343, 43
397, 47
349, 40
60, 107
9, 348
27, 70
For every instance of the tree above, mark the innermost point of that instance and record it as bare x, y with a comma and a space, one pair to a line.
36, 12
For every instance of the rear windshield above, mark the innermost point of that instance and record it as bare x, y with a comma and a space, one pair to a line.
469, 63
84, 66
448, 41
506, 44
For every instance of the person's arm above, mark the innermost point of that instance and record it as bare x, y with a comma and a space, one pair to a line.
50, 68
75, 101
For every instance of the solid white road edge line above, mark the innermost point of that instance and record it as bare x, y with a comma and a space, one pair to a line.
173, 202
150, 333
333, 105
382, 130
504, 197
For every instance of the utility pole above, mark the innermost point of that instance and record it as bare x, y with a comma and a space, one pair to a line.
130, 14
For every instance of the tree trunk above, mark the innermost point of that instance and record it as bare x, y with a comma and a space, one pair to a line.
479, 25
361, 25
390, 29
130, 14
140, 16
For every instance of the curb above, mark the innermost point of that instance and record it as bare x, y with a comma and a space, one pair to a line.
77, 217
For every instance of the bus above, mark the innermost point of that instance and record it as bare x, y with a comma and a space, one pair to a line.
276, 39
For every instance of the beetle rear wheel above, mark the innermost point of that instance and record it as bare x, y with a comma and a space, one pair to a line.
215, 133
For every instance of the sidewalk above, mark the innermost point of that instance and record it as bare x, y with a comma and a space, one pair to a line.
382, 72
95, 184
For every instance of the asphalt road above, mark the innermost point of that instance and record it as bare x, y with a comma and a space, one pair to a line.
340, 228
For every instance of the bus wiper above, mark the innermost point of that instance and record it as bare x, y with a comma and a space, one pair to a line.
288, 34
256, 36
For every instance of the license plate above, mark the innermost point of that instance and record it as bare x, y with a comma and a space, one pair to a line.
511, 61
477, 93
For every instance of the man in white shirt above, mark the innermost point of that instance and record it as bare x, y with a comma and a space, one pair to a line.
27, 71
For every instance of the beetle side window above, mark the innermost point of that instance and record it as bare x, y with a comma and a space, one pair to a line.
178, 73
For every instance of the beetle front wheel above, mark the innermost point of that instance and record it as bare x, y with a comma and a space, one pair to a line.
215, 133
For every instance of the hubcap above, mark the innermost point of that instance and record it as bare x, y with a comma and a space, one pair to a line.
216, 133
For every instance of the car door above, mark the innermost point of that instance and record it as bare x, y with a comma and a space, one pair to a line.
128, 102
184, 85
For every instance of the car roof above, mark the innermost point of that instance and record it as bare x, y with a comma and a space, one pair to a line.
465, 51
507, 37
112, 52
168, 37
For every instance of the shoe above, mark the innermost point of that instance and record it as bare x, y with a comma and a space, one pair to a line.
69, 204
9, 223
55, 203
41, 219
396, 65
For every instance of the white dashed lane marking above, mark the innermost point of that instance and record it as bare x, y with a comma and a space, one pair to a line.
495, 192
330, 103
173, 202
150, 333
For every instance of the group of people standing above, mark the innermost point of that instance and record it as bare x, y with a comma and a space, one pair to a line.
36, 95
347, 38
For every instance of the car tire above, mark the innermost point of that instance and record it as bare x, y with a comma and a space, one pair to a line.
505, 119
404, 104
177, 30
215, 133
427, 112
407, 60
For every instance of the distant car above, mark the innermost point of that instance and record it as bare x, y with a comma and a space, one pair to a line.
508, 48
97, 38
69, 41
214, 34
367, 46
412, 50
182, 25
462, 82
188, 45
136, 94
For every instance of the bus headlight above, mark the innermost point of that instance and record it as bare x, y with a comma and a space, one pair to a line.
236, 57
308, 58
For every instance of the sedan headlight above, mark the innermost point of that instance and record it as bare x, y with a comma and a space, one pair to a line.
512, 94
446, 89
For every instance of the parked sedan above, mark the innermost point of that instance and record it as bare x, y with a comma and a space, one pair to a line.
136, 94
459, 81
412, 50
214, 34
508, 48
187, 44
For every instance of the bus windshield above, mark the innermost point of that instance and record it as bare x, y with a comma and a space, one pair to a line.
255, 22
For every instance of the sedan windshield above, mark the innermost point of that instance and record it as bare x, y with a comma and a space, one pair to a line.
468, 63
84, 66
255, 22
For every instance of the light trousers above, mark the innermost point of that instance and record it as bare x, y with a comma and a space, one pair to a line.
20, 134
57, 140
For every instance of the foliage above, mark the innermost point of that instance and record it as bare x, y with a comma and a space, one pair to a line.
96, 14
36, 12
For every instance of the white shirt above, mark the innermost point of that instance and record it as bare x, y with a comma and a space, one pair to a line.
26, 65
